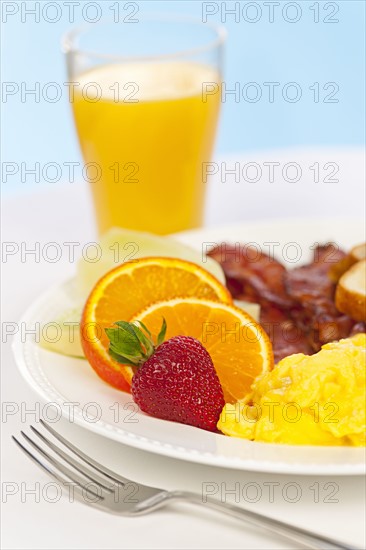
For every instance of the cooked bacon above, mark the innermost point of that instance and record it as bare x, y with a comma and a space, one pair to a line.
285, 336
252, 275
312, 281
297, 306
313, 291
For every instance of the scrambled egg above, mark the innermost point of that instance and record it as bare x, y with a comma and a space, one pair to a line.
306, 400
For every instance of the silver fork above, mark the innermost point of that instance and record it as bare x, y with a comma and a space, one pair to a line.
96, 485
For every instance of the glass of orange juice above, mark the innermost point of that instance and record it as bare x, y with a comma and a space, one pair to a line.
146, 95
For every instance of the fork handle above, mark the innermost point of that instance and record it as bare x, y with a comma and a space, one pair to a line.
306, 538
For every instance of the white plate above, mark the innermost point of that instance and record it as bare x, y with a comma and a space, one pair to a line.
61, 381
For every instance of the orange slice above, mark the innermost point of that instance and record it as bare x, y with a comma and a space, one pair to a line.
239, 347
130, 288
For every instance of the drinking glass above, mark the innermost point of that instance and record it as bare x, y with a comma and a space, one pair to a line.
146, 100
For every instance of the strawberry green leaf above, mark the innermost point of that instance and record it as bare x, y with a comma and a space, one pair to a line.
126, 326
141, 324
118, 335
125, 344
146, 342
122, 341
120, 358
162, 333
132, 343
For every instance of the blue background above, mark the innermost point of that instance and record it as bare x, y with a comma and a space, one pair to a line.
304, 52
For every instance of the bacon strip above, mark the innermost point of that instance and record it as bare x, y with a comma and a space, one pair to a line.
313, 291
297, 306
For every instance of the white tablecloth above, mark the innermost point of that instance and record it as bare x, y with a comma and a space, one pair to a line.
62, 213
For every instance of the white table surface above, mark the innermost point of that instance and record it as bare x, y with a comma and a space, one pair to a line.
62, 213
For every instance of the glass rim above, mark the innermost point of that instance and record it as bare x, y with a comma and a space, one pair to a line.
68, 40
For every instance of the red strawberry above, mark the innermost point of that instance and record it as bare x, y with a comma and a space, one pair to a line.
175, 381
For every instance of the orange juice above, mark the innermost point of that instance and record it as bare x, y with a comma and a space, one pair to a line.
147, 128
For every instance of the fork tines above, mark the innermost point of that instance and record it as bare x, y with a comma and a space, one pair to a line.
96, 481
